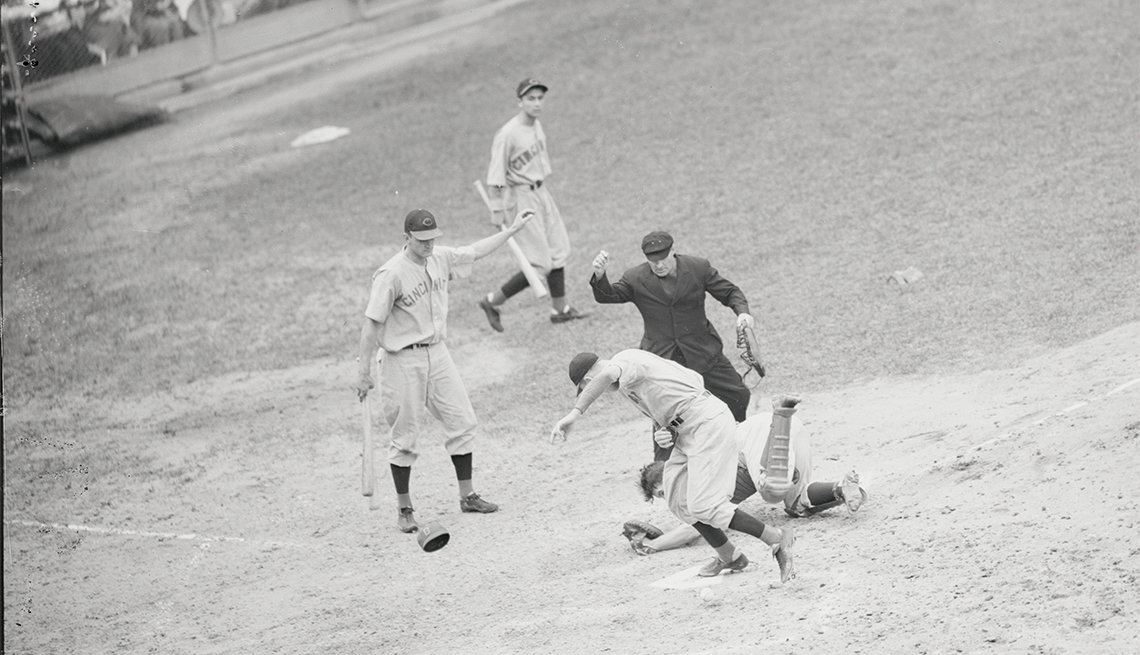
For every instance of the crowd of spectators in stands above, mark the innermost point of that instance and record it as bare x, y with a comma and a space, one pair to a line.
64, 35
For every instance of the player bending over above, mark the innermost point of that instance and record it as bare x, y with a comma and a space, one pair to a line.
804, 497
699, 476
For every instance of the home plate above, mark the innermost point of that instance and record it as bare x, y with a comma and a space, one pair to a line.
688, 579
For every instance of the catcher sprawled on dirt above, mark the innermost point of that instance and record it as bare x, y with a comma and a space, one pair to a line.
801, 499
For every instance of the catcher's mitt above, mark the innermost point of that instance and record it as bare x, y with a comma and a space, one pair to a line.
637, 532
746, 341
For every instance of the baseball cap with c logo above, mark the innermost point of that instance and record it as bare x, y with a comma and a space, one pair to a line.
528, 84
421, 225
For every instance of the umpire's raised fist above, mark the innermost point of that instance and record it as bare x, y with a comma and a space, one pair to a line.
600, 262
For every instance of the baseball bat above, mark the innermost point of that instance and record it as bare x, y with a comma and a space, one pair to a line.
367, 473
532, 276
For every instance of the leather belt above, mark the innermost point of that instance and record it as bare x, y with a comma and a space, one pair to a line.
678, 420
416, 345
536, 185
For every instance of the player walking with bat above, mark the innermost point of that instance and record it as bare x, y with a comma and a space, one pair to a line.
516, 175
532, 277
407, 317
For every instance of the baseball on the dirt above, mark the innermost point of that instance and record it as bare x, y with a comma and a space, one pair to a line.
708, 595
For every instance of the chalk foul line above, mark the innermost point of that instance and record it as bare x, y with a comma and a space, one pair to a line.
185, 536
1011, 433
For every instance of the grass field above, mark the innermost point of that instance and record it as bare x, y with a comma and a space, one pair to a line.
181, 305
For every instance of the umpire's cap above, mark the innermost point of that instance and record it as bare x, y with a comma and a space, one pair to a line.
528, 84
421, 225
656, 242
580, 365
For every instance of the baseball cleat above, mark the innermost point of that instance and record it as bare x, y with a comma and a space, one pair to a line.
849, 490
492, 315
405, 521
713, 568
783, 554
798, 510
473, 503
568, 315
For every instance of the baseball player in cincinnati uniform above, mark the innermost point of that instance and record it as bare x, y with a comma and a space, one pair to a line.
406, 320
700, 474
804, 497
516, 176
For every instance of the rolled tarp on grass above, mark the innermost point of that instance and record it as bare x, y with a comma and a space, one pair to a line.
74, 120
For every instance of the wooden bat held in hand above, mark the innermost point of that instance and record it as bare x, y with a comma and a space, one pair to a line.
532, 276
367, 473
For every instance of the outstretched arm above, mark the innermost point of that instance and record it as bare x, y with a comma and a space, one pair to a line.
590, 393
484, 247
682, 535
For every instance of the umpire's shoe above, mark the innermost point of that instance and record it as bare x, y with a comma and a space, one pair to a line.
405, 521
473, 503
492, 315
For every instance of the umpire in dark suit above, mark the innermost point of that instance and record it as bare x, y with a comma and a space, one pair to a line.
669, 291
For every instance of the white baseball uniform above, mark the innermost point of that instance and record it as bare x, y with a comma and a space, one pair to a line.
752, 436
700, 475
520, 164
409, 301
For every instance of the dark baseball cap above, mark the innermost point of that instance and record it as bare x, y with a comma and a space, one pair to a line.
421, 225
528, 84
580, 365
656, 242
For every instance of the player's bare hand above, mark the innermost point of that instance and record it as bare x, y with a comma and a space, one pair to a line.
498, 217
522, 219
561, 429
600, 262
745, 320
364, 385
663, 437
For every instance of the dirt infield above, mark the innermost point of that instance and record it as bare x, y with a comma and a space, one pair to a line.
181, 442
